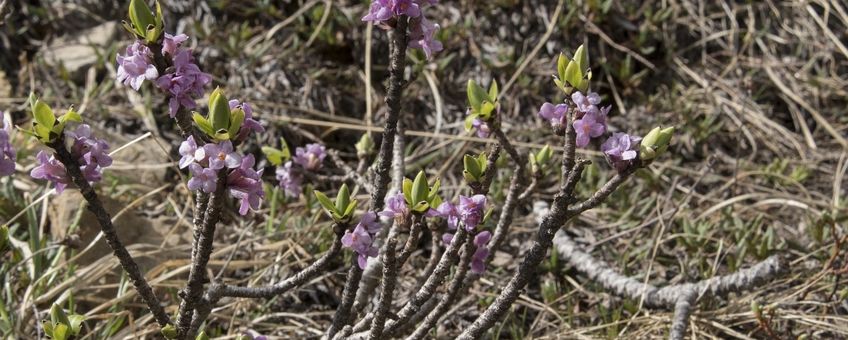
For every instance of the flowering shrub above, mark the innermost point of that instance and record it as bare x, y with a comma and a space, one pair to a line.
388, 231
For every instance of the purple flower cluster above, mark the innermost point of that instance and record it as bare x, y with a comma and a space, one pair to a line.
250, 124
478, 260
136, 66
290, 174
469, 212
590, 121
422, 32
483, 129
396, 207
621, 150
183, 81
361, 239
556, 115
90, 152
7, 152
243, 182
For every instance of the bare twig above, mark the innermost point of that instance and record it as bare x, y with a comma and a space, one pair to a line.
390, 272
398, 38
105, 220
193, 292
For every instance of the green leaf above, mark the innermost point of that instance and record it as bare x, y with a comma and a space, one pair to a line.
434, 190
325, 202
222, 134
219, 110
472, 167
476, 95
407, 190
421, 207
202, 336
493, 91
420, 188
435, 201
169, 331
48, 328
581, 57
284, 148
76, 323
70, 116
236, 120
562, 62
4, 236
60, 331
469, 121
481, 160
342, 198
348, 212
141, 16
486, 109
203, 124
57, 315
43, 115
573, 75
274, 156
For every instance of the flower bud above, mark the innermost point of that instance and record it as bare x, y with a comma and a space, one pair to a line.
365, 146
169, 332
655, 143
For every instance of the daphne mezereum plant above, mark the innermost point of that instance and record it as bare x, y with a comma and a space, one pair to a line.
383, 233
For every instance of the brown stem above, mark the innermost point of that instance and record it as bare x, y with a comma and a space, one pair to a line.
390, 272
449, 297
397, 63
129, 265
193, 292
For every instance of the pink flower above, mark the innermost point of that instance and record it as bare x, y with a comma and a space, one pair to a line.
422, 35
310, 157
478, 260
471, 210
184, 82
592, 125
202, 178
483, 129
395, 207
621, 150
245, 184
7, 151
136, 65
49, 168
170, 43
554, 114
360, 241
222, 155
290, 179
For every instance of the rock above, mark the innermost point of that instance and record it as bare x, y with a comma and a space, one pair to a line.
77, 52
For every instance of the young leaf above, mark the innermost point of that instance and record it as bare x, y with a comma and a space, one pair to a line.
342, 198
48, 328
76, 323
141, 16
4, 236
202, 336
61, 332
169, 332
486, 109
472, 167
273, 155
481, 160
407, 190
581, 57
420, 188
493, 91
236, 120
203, 124
476, 95
58, 316
348, 212
573, 75
434, 190
562, 62
421, 207
219, 110
43, 115
325, 202
284, 148
469, 121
